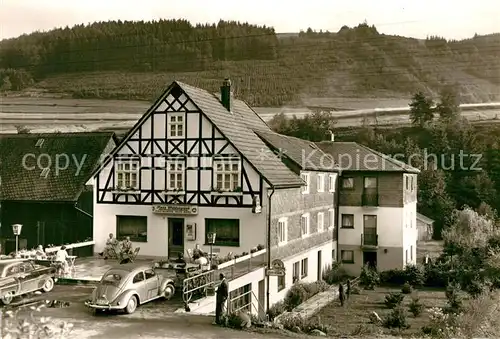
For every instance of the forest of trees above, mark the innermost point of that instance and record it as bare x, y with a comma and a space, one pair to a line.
444, 183
269, 69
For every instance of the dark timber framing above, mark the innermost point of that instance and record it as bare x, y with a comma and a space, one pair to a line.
179, 149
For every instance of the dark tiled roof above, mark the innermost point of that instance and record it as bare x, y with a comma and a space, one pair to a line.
24, 182
352, 156
235, 126
306, 154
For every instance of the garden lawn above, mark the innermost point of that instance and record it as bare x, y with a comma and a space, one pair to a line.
353, 318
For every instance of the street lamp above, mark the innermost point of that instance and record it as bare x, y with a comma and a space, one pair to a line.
211, 240
16, 229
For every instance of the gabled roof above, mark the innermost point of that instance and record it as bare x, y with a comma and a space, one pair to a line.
305, 154
235, 127
424, 219
20, 176
352, 156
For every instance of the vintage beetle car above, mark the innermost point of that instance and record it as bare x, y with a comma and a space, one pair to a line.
21, 276
126, 286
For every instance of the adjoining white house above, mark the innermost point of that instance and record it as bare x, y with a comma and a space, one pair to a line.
377, 208
197, 163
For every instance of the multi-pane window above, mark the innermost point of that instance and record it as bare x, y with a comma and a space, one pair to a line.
321, 222
348, 183
331, 218
282, 231
347, 220
304, 225
175, 174
176, 125
304, 268
331, 183
227, 174
307, 178
127, 173
347, 256
296, 271
370, 182
321, 182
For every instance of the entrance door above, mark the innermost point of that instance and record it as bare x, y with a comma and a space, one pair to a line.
370, 258
262, 299
175, 237
320, 266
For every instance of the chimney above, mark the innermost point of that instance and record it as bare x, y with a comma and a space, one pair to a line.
332, 136
225, 94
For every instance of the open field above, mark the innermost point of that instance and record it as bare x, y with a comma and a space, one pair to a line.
353, 318
64, 114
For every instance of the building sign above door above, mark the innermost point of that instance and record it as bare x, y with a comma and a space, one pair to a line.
175, 209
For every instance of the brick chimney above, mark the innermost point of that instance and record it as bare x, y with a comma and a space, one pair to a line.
225, 94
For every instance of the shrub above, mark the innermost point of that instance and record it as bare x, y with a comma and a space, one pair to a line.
335, 273
300, 292
369, 277
277, 309
415, 307
406, 289
397, 319
393, 299
260, 247
294, 322
13, 326
414, 275
475, 288
454, 300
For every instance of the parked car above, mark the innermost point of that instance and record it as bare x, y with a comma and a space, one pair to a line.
127, 286
21, 276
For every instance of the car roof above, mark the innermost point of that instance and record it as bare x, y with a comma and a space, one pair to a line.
131, 267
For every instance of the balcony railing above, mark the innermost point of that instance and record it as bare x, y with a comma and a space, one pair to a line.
369, 239
370, 199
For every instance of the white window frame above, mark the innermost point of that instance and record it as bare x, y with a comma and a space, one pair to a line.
331, 218
304, 268
179, 124
307, 178
282, 231
321, 222
305, 223
178, 172
132, 172
234, 181
342, 260
321, 183
331, 183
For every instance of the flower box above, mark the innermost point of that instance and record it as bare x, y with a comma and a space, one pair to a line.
240, 259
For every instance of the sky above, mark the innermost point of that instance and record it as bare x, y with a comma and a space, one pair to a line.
450, 19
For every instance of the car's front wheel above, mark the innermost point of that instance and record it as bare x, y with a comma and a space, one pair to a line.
48, 285
7, 298
131, 305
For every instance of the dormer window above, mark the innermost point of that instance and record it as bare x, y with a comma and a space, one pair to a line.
176, 125
307, 178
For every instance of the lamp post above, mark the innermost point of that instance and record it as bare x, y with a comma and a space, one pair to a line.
211, 240
16, 229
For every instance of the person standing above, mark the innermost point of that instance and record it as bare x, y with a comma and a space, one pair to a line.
62, 260
341, 294
221, 297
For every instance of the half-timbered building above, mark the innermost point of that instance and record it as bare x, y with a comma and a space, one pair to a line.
197, 163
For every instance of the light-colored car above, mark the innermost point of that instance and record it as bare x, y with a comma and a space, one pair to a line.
21, 276
127, 286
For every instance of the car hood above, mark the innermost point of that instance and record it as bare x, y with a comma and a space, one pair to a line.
109, 291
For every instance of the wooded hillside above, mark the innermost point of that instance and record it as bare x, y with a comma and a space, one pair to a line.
134, 60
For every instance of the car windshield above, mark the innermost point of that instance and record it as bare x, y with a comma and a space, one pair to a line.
114, 277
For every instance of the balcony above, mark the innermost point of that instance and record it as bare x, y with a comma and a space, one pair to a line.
370, 199
369, 241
